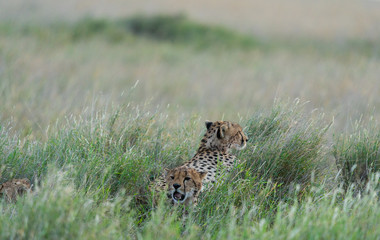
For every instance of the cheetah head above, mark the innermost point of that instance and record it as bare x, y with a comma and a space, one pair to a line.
22, 185
183, 184
225, 135
14, 188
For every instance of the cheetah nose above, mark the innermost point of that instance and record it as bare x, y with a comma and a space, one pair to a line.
176, 185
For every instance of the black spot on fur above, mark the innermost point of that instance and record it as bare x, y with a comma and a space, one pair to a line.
208, 125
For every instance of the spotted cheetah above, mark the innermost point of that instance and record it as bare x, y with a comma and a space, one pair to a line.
214, 150
184, 185
14, 188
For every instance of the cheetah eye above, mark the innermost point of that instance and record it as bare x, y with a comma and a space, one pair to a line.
187, 178
172, 177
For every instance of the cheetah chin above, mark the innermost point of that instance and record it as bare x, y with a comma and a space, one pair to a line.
240, 147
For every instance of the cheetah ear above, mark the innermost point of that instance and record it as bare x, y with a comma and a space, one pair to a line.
166, 171
202, 175
221, 131
208, 124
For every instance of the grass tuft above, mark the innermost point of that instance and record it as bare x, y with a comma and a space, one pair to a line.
357, 154
286, 146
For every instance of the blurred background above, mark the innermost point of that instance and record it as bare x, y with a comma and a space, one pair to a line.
214, 59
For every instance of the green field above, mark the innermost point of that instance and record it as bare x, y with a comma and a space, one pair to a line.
92, 110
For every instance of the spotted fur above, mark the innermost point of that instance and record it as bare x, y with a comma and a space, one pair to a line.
215, 147
14, 188
184, 185
214, 150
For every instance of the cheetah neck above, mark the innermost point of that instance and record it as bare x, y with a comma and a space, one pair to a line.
213, 149
209, 145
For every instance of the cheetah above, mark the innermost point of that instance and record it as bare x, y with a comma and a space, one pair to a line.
14, 188
214, 150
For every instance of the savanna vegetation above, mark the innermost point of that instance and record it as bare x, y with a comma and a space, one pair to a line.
91, 111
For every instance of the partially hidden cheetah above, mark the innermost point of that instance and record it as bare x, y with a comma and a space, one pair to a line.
214, 150
14, 188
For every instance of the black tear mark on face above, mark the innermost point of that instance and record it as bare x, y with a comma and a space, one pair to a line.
218, 133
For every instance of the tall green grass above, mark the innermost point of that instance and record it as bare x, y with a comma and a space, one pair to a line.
357, 154
107, 152
57, 209
91, 174
286, 145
